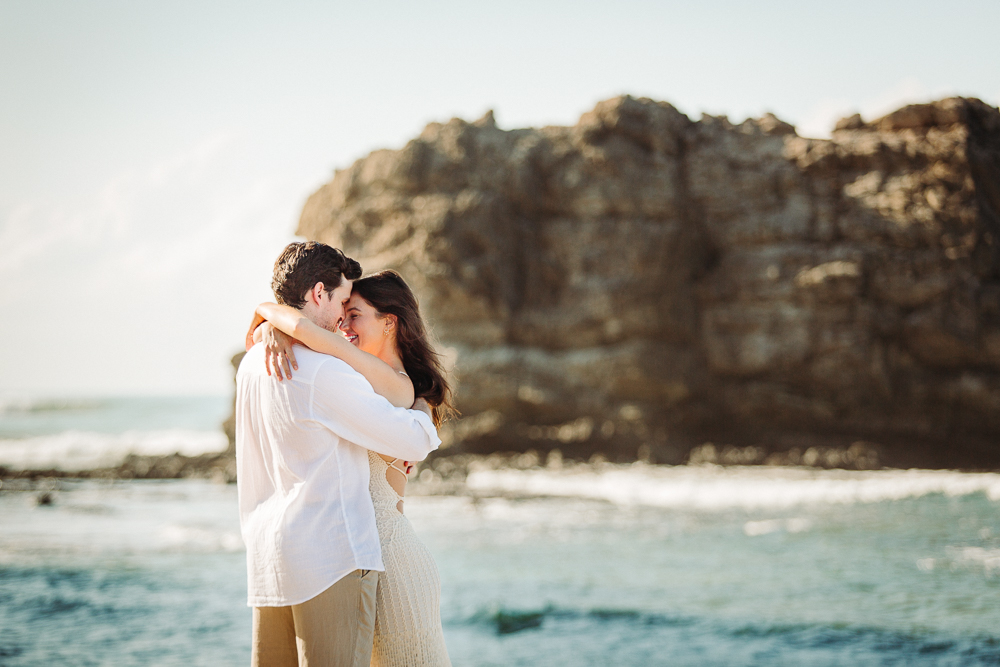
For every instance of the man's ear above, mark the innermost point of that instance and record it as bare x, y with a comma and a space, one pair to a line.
315, 295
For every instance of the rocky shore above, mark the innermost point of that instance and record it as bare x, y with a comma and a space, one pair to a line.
645, 286
217, 467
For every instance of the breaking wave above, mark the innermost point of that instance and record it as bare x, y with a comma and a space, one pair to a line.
81, 450
714, 487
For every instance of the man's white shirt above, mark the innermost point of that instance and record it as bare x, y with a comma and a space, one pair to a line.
306, 514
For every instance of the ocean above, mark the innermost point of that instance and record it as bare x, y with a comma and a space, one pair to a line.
574, 565
74, 433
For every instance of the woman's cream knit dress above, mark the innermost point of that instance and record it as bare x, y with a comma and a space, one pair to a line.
408, 602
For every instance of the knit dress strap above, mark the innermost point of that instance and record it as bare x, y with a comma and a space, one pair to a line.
395, 465
383, 493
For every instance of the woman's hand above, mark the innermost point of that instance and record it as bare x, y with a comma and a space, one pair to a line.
278, 352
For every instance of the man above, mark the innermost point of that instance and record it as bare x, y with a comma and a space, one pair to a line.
313, 553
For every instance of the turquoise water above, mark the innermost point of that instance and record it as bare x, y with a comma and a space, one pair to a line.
23, 417
574, 565
548, 567
73, 433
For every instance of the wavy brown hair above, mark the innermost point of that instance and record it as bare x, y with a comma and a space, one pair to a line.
388, 294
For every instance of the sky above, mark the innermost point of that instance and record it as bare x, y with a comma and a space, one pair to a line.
155, 157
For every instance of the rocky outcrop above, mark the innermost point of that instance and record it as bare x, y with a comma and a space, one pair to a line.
641, 283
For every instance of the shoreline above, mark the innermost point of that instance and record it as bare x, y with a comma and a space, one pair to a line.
219, 467
445, 472
759, 490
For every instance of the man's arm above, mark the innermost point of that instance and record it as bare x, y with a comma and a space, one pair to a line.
344, 402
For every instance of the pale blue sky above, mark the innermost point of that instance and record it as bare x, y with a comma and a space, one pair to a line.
154, 157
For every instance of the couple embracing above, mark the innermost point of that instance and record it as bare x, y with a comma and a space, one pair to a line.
324, 432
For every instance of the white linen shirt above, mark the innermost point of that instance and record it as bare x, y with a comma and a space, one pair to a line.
306, 514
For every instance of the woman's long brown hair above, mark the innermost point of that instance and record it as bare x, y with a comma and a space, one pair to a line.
388, 293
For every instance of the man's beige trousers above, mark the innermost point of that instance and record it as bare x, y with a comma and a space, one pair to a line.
334, 629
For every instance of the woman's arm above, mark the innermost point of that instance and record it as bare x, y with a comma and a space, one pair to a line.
278, 347
253, 334
383, 378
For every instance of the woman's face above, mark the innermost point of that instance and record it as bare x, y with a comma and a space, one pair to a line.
363, 327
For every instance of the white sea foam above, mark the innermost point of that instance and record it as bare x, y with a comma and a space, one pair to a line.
964, 558
988, 559
80, 450
768, 526
715, 487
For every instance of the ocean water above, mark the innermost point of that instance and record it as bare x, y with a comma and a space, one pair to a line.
152, 572
73, 433
580, 565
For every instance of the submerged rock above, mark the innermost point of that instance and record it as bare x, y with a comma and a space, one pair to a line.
640, 283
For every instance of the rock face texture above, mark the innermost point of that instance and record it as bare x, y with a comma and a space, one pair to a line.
640, 284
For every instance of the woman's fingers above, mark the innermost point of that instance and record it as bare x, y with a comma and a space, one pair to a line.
278, 354
271, 360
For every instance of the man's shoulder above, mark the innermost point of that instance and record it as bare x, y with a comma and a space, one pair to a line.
252, 362
321, 363
311, 364
328, 367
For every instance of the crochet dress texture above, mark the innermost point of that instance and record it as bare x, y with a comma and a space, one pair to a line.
408, 603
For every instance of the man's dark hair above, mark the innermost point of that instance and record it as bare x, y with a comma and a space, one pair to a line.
301, 265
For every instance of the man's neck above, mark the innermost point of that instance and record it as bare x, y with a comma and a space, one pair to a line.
310, 312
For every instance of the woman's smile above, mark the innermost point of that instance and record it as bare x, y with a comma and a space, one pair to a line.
362, 326
348, 331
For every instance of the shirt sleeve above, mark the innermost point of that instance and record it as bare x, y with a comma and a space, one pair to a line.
344, 402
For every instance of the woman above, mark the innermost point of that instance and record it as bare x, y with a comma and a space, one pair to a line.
386, 341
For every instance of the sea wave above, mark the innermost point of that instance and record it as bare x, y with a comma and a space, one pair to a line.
82, 450
715, 487
803, 640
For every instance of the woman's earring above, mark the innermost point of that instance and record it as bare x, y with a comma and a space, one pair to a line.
386, 332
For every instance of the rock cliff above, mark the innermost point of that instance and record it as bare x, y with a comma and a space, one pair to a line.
640, 284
